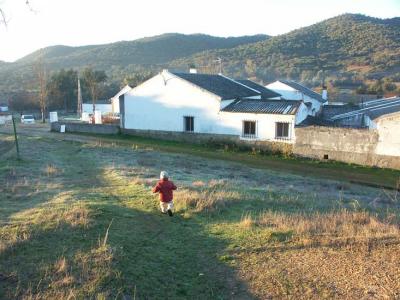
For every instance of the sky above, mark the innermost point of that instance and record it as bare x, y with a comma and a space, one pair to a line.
82, 22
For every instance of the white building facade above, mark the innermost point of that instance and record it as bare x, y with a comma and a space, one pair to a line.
209, 104
115, 100
291, 90
104, 106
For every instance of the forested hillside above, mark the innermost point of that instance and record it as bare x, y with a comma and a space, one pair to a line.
350, 49
118, 59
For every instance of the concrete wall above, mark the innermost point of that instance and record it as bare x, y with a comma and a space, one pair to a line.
5, 119
389, 135
86, 128
162, 102
204, 138
358, 146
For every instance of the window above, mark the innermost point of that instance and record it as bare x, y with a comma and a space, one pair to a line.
188, 124
249, 129
282, 131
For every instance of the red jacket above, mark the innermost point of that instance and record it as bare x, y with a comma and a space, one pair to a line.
165, 188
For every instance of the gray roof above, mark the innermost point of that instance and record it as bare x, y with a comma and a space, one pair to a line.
304, 90
373, 109
219, 85
263, 106
378, 112
329, 111
265, 93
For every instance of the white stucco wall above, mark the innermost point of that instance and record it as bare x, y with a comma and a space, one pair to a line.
161, 103
115, 105
290, 93
115, 99
104, 108
5, 119
389, 135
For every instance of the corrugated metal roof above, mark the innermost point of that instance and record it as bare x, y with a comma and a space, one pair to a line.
263, 107
373, 109
304, 90
378, 112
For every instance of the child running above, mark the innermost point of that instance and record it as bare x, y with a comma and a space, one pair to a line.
165, 188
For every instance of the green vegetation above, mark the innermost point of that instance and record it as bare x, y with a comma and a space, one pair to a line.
345, 50
77, 220
120, 60
378, 177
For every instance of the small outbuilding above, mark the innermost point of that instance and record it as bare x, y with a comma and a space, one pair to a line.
291, 90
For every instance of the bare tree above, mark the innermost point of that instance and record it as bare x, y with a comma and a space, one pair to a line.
3, 19
93, 79
41, 77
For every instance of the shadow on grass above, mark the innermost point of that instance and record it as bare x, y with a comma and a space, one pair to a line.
157, 256
147, 255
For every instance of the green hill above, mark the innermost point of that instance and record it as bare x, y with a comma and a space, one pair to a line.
117, 59
348, 47
152, 50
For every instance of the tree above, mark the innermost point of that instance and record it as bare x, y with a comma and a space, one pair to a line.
93, 80
62, 89
137, 78
41, 77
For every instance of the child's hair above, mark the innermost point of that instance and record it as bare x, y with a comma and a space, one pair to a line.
163, 175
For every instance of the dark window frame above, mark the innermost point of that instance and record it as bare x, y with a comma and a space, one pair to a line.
249, 129
188, 123
282, 131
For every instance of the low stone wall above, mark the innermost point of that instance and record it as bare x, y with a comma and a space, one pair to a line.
86, 128
204, 138
349, 145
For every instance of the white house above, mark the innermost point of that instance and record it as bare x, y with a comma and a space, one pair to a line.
101, 105
115, 100
291, 90
210, 104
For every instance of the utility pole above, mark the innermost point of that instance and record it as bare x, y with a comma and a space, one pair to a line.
16, 137
79, 110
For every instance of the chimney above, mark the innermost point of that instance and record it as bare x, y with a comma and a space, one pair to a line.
193, 70
324, 93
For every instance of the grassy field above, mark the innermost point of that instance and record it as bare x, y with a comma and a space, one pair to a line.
78, 220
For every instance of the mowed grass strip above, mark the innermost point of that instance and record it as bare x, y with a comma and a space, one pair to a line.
371, 176
78, 220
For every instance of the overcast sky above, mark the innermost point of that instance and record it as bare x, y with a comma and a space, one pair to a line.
83, 22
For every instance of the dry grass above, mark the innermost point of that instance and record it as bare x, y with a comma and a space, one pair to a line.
77, 216
51, 170
246, 221
342, 254
341, 224
214, 196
